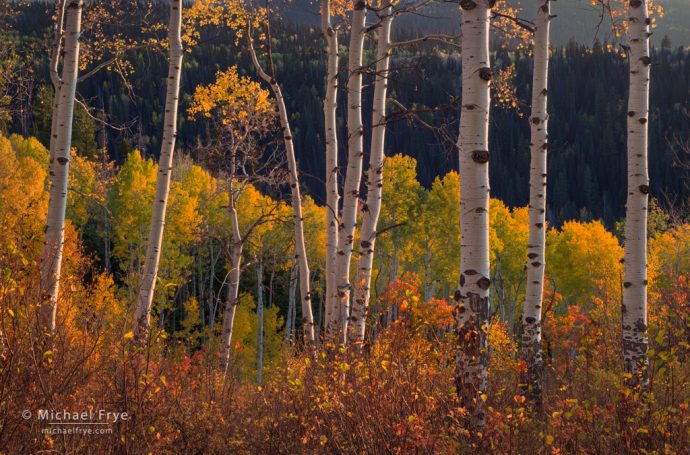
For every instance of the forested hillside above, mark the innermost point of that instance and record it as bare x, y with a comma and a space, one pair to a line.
588, 135
238, 227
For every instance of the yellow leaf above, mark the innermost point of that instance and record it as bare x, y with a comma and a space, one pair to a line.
163, 380
9, 310
129, 335
549, 440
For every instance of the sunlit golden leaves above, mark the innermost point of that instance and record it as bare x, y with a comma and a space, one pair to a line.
614, 13
504, 90
236, 101
236, 15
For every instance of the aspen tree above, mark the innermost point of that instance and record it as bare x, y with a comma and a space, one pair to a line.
155, 240
635, 343
61, 141
372, 207
330, 105
300, 256
260, 322
472, 295
233, 293
536, 247
353, 177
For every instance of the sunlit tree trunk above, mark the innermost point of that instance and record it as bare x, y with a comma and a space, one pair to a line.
300, 256
160, 202
472, 296
260, 323
330, 105
54, 74
635, 342
536, 246
61, 138
353, 176
232, 300
372, 208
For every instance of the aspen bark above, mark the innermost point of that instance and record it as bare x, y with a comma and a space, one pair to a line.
330, 105
260, 322
353, 177
635, 343
160, 202
372, 207
536, 246
234, 285
472, 295
300, 256
61, 142
55, 76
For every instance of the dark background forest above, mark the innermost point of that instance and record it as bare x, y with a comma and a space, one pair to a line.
587, 105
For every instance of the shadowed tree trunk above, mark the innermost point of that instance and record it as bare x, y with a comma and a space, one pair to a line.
472, 295
536, 246
300, 256
372, 208
61, 141
160, 202
634, 309
260, 323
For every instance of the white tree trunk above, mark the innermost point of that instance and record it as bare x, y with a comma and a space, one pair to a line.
330, 105
61, 139
472, 295
160, 202
234, 284
55, 76
300, 248
372, 208
536, 246
260, 323
635, 342
353, 177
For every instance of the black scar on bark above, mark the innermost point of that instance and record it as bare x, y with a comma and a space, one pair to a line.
457, 295
484, 283
485, 74
530, 320
467, 5
644, 189
480, 156
627, 284
62, 160
462, 279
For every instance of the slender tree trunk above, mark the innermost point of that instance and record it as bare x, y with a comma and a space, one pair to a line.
472, 295
292, 296
260, 323
355, 144
372, 208
330, 105
635, 343
234, 284
300, 257
61, 141
160, 202
536, 247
